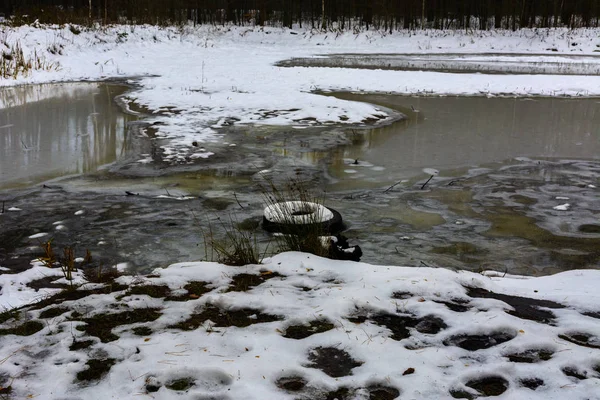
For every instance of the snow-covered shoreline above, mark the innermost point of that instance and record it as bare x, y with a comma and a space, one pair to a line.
201, 78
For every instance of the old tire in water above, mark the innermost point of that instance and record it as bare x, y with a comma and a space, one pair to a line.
295, 216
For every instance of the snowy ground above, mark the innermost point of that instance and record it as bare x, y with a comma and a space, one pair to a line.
198, 79
303, 327
299, 327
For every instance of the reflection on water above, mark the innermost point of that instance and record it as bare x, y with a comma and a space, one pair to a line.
452, 132
486, 210
51, 130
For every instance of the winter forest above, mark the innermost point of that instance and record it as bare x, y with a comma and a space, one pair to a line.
323, 14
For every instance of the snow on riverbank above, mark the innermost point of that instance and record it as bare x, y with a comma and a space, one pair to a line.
202, 78
297, 326
303, 327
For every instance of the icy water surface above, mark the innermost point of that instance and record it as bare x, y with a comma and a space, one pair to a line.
517, 190
489, 63
53, 130
453, 132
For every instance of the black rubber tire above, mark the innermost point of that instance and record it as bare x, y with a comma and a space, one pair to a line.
330, 227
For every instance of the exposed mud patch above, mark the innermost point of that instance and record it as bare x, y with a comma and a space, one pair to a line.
461, 394
80, 344
181, 384
592, 314
96, 369
101, 274
342, 393
53, 312
479, 342
396, 323
381, 392
71, 295
102, 325
8, 314
244, 282
304, 331
456, 305
223, 318
430, 324
402, 295
291, 383
531, 383
142, 331
582, 339
156, 291
48, 282
399, 324
489, 386
334, 362
195, 290
26, 329
153, 384
575, 372
524, 307
531, 356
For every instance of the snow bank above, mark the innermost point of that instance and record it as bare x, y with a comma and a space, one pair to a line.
367, 314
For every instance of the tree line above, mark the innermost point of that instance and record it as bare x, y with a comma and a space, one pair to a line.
320, 14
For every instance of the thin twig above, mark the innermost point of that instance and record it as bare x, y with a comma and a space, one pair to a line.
135, 379
395, 184
430, 178
236, 199
2, 361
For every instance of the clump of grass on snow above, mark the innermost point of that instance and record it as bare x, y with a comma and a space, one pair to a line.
238, 247
14, 63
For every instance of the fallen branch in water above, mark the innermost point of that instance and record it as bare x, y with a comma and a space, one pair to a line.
390, 188
236, 199
426, 182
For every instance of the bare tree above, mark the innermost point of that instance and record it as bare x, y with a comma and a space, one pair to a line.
323, 26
